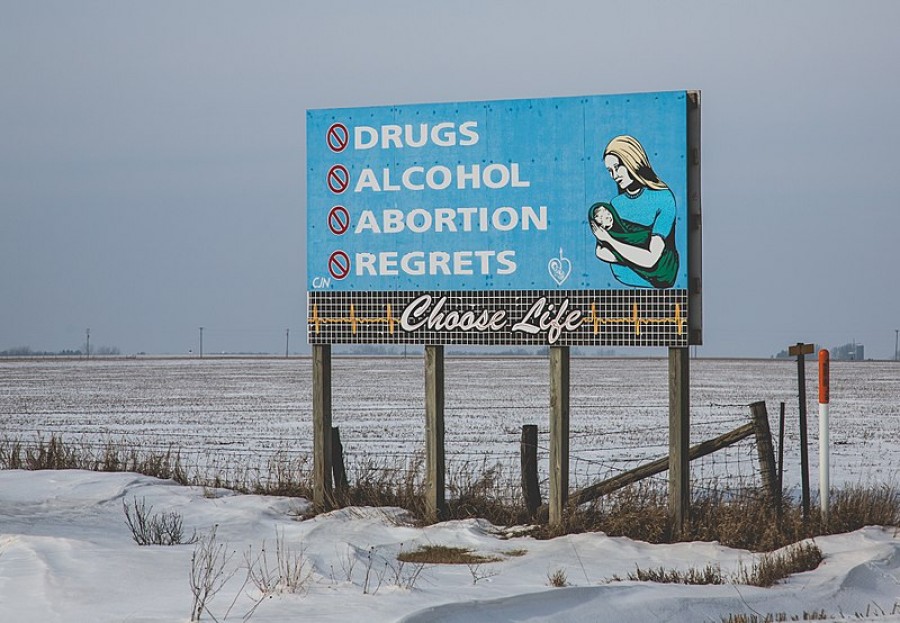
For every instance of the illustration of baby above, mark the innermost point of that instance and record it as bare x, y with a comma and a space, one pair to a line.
603, 217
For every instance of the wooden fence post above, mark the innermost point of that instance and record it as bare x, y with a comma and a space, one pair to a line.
559, 432
765, 452
339, 470
801, 350
528, 450
435, 499
781, 448
322, 470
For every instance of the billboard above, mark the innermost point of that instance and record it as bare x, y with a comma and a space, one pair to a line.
542, 221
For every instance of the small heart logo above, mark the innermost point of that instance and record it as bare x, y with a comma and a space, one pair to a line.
559, 268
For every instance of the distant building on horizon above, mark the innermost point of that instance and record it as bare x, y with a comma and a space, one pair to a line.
848, 352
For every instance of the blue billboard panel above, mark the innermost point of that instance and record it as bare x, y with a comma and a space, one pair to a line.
558, 195
497, 195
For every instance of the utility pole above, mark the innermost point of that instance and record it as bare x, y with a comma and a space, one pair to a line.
201, 342
88, 343
287, 342
896, 344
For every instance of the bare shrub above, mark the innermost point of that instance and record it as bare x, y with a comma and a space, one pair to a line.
209, 573
288, 572
480, 572
405, 574
149, 528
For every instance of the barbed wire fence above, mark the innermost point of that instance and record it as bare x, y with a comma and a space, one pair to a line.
598, 450
235, 431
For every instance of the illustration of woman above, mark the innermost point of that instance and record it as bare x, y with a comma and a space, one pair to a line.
635, 231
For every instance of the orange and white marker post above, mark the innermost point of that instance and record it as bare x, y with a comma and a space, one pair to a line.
824, 453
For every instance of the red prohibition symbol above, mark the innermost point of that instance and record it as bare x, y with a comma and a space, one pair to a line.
338, 137
339, 265
338, 179
338, 220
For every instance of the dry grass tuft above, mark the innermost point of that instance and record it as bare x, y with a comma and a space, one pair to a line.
445, 555
741, 518
57, 453
558, 578
767, 571
773, 567
710, 574
775, 618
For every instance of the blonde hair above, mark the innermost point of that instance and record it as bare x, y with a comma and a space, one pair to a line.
631, 154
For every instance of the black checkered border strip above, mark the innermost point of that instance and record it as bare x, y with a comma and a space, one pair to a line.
503, 318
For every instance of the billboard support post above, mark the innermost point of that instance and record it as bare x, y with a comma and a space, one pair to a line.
322, 470
679, 440
434, 433
559, 432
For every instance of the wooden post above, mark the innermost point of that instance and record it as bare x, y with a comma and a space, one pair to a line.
435, 499
559, 432
322, 473
339, 470
781, 448
800, 350
530, 488
765, 452
679, 440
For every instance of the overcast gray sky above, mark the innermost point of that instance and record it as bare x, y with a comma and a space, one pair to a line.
152, 154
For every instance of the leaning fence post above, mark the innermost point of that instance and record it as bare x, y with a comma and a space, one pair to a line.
765, 452
530, 489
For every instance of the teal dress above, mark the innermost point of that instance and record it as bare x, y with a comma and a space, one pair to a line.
636, 219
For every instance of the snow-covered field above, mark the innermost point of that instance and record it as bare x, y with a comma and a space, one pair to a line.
66, 553
231, 415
